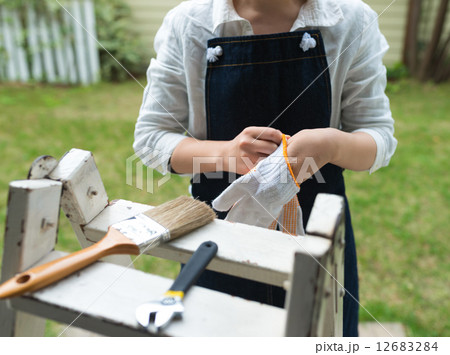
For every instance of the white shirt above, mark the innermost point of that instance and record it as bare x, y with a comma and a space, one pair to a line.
173, 106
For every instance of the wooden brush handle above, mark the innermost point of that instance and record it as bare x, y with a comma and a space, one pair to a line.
43, 275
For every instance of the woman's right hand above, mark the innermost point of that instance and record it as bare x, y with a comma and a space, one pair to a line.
238, 155
254, 143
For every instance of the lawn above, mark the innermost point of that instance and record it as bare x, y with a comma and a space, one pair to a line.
400, 213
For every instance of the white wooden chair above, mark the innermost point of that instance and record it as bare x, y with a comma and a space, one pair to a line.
102, 297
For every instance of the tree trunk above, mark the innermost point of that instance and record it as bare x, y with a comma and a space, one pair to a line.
410, 49
424, 71
442, 66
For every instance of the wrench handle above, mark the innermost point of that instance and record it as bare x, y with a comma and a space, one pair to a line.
194, 267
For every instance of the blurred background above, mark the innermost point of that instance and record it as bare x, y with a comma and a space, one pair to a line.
59, 89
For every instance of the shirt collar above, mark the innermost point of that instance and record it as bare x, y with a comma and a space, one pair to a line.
314, 13
319, 13
224, 12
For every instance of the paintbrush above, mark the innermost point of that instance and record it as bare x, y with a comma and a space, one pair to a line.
132, 236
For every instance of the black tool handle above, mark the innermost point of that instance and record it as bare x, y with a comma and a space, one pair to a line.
194, 267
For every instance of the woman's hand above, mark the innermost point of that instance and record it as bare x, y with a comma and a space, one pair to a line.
243, 152
238, 155
309, 150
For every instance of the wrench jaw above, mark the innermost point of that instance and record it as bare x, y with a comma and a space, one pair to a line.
157, 315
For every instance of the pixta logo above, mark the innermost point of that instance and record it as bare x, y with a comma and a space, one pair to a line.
142, 165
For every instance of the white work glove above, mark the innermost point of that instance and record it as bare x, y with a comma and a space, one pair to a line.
257, 198
286, 224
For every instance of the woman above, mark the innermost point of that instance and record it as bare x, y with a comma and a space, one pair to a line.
231, 77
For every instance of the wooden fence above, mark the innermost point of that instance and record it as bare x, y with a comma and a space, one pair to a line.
49, 45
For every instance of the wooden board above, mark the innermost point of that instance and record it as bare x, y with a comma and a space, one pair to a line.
23, 73
68, 49
33, 43
327, 219
30, 233
80, 38
45, 46
91, 40
104, 297
8, 43
325, 216
84, 195
303, 297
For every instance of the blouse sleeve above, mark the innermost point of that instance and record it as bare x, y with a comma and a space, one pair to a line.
163, 117
365, 106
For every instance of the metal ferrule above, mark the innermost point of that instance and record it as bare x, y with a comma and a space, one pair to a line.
143, 231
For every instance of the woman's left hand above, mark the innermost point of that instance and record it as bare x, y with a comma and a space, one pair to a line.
309, 150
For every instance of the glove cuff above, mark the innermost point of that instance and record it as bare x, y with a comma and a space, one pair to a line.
286, 158
274, 171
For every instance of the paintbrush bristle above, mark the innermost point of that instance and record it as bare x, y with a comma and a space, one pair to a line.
182, 215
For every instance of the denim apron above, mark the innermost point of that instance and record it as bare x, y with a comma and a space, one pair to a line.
252, 83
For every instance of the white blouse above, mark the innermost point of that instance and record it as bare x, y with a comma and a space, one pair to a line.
173, 105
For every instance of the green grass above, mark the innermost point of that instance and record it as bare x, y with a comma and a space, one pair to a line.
401, 216
400, 213
39, 120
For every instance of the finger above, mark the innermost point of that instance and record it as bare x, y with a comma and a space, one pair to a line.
257, 148
264, 147
268, 134
244, 211
228, 197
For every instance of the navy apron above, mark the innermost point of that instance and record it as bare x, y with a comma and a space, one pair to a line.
250, 84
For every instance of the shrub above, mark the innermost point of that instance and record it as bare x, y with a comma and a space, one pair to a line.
116, 36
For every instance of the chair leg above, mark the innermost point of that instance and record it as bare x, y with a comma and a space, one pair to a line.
30, 234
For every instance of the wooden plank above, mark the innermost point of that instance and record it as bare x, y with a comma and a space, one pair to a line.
2, 56
314, 293
391, 58
31, 223
145, 29
302, 294
392, 22
23, 72
46, 47
339, 289
325, 215
327, 219
324, 318
155, 4
58, 49
33, 43
91, 40
246, 251
11, 69
68, 48
30, 233
149, 15
104, 297
80, 49
84, 195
